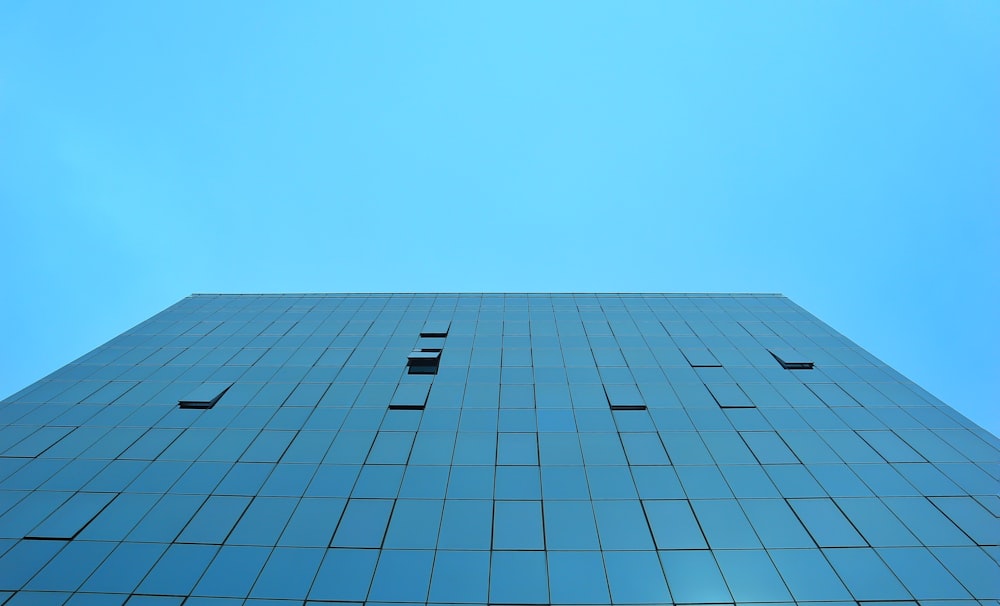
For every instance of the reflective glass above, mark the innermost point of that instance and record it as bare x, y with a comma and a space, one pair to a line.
622, 525
635, 577
517, 525
751, 576
808, 576
694, 577
344, 575
674, 525
124, 568
570, 525
71, 567
402, 576
232, 572
525, 471
460, 576
927, 522
466, 524
178, 569
866, 575
577, 577
363, 523
924, 576
414, 524
518, 577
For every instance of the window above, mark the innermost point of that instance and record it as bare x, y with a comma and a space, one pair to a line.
791, 359
435, 328
423, 362
204, 396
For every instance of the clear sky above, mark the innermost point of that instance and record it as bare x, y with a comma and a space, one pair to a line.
846, 154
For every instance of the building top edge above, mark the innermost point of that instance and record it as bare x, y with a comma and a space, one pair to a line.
489, 293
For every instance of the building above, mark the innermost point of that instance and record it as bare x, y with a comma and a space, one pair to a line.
491, 448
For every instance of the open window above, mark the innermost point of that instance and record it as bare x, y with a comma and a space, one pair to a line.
624, 397
204, 396
791, 359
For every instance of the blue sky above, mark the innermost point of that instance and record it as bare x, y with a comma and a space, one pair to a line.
846, 154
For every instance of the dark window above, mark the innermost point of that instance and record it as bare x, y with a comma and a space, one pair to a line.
791, 359
435, 328
700, 357
204, 396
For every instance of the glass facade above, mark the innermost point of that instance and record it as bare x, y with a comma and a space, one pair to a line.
491, 449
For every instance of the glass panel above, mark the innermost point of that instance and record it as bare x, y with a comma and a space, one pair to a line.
466, 524
727, 448
402, 576
699, 356
775, 524
927, 522
972, 567
204, 396
644, 449
263, 521
922, 574
215, 520
657, 483
344, 575
826, 523
471, 482
179, 569
876, 523
313, 522
674, 525
725, 525
808, 575
610, 482
518, 577
866, 575
570, 525
68, 569
232, 572
118, 518
424, 482
694, 577
391, 447
577, 577
971, 517
517, 525
622, 525
288, 573
517, 449
768, 447
518, 483
460, 576
751, 576
71, 517
414, 524
564, 483
166, 519
703, 482
363, 523
729, 395
636, 577
839, 481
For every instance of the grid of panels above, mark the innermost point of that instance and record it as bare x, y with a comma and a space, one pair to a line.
572, 449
